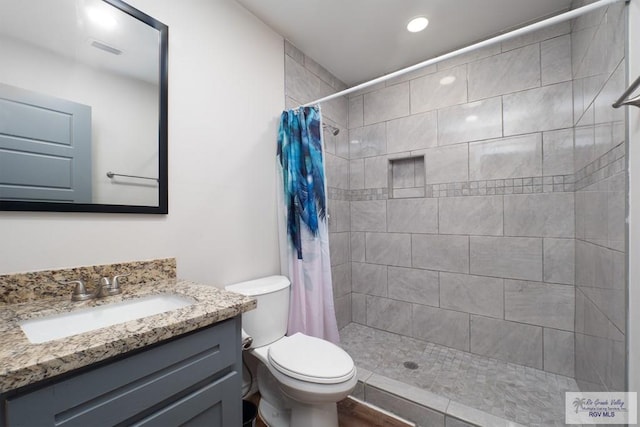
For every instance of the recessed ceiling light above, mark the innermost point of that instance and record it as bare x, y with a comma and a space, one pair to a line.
102, 17
417, 24
447, 80
472, 118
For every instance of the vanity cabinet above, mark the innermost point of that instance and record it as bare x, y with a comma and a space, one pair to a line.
192, 380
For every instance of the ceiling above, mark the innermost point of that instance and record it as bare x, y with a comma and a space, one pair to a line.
64, 28
357, 40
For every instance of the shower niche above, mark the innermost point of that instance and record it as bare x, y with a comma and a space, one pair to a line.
407, 177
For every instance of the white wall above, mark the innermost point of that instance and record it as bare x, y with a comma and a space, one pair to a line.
634, 204
225, 95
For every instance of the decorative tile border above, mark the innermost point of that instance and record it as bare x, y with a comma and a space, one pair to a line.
547, 184
605, 166
32, 286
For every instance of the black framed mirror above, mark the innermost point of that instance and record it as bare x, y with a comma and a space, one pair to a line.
83, 107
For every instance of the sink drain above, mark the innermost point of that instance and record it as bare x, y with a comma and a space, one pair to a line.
411, 365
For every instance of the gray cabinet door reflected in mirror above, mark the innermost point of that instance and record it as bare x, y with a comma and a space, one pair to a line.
83, 107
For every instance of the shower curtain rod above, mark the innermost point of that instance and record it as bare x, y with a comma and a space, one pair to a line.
506, 36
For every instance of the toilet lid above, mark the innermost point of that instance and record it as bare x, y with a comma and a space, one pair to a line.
311, 359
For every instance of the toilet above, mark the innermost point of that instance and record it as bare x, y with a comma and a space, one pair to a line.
300, 378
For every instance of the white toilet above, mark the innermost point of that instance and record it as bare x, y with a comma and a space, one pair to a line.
300, 378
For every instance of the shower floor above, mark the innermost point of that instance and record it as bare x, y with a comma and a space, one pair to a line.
512, 392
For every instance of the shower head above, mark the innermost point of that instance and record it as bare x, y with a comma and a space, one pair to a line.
334, 130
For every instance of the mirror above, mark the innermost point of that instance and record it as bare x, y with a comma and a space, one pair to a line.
83, 107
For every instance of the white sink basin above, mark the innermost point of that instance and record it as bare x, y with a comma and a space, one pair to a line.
67, 324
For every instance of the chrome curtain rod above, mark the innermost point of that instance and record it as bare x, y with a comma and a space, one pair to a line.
111, 175
623, 98
515, 33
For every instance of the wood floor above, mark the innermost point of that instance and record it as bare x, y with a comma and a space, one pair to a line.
353, 413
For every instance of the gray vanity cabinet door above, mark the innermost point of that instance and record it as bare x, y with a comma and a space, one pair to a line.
194, 380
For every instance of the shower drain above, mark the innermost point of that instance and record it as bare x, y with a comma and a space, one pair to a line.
411, 365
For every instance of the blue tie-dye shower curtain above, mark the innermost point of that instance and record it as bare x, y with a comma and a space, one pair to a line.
304, 203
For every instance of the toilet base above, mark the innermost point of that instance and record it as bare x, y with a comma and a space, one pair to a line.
272, 416
314, 415
299, 415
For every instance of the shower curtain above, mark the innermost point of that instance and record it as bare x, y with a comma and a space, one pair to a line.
304, 204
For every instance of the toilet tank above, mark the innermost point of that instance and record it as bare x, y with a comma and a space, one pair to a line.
268, 322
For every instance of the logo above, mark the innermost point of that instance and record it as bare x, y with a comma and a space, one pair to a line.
601, 408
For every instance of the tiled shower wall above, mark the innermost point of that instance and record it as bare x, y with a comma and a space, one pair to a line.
305, 81
599, 78
483, 261
462, 214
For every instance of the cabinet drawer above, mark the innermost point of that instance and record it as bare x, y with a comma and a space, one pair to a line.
134, 386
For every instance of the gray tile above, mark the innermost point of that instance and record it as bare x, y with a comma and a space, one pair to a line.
389, 315
341, 215
559, 261
445, 327
584, 151
600, 361
440, 252
557, 147
414, 132
301, 84
369, 279
508, 257
424, 417
386, 104
559, 352
356, 112
472, 294
611, 304
539, 304
356, 174
357, 246
513, 157
540, 109
409, 392
471, 56
403, 172
537, 36
337, 171
556, 60
359, 309
369, 215
295, 53
447, 164
470, 122
513, 342
368, 141
343, 310
339, 248
454, 422
413, 285
412, 215
375, 172
508, 72
478, 215
388, 249
341, 279
408, 193
473, 385
429, 93
539, 215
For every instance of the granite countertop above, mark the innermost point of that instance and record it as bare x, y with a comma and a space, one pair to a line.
23, 363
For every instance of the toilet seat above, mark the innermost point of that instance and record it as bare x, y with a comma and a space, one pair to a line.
311, 359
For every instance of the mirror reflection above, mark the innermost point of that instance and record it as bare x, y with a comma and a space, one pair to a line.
80, 98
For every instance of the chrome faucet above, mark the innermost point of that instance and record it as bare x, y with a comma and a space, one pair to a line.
105, 288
